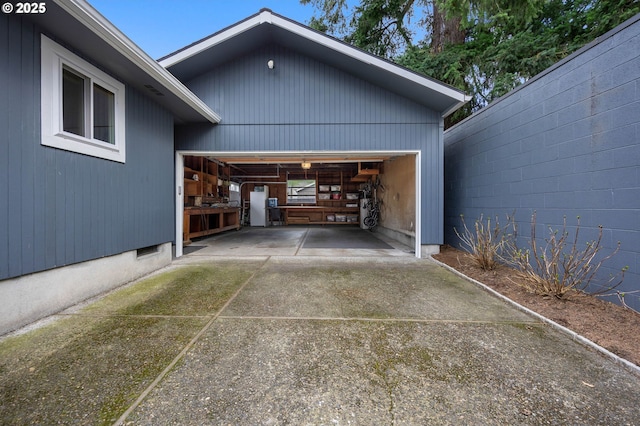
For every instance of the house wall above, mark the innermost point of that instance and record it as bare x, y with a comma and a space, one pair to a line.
565, 143
303, 104
59, 208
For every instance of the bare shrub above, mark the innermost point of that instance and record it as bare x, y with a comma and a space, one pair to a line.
562, 266
485, 243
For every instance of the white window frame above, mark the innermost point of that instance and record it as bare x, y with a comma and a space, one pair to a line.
53, 58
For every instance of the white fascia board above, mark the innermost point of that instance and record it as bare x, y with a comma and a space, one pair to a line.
212, 41
266, 155
455, 107
367, 58
99, 25
268, 17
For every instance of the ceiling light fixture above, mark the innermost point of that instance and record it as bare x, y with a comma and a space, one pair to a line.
270, 64
305, 165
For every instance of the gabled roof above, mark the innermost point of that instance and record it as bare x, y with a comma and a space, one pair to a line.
268, 27
78, 24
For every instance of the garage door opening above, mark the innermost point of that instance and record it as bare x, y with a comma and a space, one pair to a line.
219, 192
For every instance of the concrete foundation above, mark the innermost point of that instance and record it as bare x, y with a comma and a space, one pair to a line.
404, 237
32, 297
429, 249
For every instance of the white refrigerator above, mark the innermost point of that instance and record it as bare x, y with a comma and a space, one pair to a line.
258, 207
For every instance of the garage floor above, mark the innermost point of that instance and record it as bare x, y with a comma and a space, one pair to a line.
299, 241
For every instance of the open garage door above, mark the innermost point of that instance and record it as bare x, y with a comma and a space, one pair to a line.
214, 192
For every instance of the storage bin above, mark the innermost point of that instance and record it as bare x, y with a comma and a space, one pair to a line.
324, 188
341, 218
352, 218
331, 218
335, 196
352, 195
335, 188
324, 196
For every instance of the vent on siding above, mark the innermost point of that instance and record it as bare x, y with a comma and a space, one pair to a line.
153, 90
147, 250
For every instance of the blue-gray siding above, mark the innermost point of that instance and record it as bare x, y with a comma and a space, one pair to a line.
58, 207
303, 104
566, 143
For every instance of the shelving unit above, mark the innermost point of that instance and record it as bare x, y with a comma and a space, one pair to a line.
367, 171
206, 182
336, 203
206, 179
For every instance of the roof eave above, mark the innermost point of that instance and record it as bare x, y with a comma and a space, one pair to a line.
457, 97
456, 106
99, 25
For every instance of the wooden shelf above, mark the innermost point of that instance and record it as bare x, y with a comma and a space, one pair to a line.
364, 174
212, 179
317, 215
202, 221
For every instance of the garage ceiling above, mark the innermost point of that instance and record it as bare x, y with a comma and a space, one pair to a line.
270, 164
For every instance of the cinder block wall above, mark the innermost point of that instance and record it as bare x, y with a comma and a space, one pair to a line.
565, 143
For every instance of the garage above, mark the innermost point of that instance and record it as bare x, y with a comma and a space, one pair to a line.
373, 191
313, 124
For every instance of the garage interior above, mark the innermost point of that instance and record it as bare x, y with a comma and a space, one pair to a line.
335, 193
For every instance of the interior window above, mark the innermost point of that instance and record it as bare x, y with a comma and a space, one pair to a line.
301, 191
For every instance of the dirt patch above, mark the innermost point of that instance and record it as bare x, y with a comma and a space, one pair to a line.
609, 325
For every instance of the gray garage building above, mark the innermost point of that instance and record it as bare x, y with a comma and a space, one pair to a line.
94, 194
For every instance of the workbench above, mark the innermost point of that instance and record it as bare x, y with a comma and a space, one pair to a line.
319, 215
202, 221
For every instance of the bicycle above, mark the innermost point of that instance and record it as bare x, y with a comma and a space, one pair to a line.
373, 205
373, 214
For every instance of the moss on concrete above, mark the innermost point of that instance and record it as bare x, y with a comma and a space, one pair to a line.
90, 367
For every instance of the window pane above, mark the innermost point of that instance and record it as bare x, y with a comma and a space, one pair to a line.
104, 112
73, 103
301, 191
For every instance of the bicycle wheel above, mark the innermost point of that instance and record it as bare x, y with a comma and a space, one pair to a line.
370, 222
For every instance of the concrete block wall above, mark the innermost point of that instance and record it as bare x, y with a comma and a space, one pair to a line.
565, 143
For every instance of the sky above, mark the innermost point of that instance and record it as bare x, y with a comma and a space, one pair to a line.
160, 27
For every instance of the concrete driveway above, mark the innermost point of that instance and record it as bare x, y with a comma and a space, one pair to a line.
270, 340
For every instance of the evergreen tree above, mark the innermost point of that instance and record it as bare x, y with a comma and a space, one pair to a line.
484, 47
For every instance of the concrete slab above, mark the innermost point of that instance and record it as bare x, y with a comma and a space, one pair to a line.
307, 340
410, 289
253, 241
315, 372
331, 241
